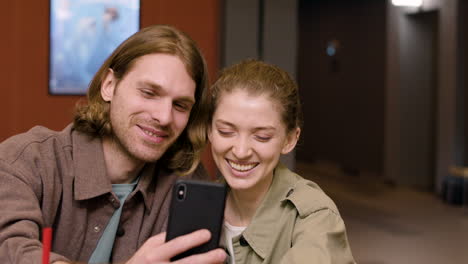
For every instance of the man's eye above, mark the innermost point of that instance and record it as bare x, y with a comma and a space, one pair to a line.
181, 107
147, 93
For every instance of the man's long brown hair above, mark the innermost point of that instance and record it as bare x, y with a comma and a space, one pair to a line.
92, 117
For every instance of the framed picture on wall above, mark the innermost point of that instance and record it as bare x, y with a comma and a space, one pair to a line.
83, 33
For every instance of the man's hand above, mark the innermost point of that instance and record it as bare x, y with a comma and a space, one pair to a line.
156, 251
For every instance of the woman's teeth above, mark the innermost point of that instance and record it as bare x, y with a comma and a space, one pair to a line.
242, 167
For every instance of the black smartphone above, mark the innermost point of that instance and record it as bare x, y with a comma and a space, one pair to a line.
196, 205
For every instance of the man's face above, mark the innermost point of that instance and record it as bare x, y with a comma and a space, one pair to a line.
150, 106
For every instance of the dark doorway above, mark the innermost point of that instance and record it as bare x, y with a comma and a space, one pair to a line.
341, 77
419, 82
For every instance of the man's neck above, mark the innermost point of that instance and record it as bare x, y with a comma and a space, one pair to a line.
121, 167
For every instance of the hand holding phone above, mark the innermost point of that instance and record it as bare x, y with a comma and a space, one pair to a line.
196, 205
156, 251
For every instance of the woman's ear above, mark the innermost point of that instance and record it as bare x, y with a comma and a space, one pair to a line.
108, 86
209, 132
291, 141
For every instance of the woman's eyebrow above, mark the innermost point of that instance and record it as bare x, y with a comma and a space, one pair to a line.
264, 128
227, 123
223, 122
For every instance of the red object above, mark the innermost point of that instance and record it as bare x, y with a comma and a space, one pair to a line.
46, 244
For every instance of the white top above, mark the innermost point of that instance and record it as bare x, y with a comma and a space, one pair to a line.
230, 231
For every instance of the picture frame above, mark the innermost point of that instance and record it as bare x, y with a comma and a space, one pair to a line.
83, 33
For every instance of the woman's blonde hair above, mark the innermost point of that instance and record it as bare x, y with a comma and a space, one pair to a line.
257, 77
92, 117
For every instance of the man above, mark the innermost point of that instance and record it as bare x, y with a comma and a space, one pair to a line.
103, 183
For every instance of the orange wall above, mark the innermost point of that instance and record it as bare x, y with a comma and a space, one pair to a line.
24, 49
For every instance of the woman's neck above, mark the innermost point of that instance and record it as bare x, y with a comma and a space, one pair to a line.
241, 205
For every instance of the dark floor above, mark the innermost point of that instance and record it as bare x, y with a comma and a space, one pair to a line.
393, 225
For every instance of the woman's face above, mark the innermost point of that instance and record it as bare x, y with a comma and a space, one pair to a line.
247, 138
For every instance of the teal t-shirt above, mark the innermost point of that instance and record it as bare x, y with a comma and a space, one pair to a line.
103, 250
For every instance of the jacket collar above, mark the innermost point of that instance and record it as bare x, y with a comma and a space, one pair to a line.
259, 233
91, 175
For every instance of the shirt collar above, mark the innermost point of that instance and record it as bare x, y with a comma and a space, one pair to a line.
91, 175
89, 167
258, 233
147, 182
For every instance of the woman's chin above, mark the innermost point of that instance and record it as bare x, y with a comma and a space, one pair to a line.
238, 184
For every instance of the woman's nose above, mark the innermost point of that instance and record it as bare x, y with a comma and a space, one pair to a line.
242, 149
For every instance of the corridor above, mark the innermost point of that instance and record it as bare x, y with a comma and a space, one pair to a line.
393, 225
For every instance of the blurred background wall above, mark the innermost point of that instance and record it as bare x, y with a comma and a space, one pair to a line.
25, 52
383, 91
388, 102
343, 93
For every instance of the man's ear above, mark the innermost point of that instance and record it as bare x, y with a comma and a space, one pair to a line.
108, 86
291, 141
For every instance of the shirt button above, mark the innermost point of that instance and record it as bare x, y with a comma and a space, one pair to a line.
96, 229
243, 242
120, 232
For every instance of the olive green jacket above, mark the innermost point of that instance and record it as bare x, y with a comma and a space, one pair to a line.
295, 223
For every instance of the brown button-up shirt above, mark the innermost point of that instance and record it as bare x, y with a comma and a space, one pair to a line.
59, 179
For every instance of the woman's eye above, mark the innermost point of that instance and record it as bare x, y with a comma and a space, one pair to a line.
263, 138
224, 132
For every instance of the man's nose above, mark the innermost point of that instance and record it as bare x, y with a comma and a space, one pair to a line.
162, 112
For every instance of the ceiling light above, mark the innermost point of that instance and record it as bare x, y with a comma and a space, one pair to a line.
416, 3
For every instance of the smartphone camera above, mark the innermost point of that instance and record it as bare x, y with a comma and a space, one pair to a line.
181, 191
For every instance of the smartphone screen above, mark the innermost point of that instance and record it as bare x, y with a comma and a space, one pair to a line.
196, 205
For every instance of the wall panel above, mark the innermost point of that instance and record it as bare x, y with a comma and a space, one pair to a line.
25, 50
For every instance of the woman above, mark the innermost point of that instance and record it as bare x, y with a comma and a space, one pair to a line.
272, 215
